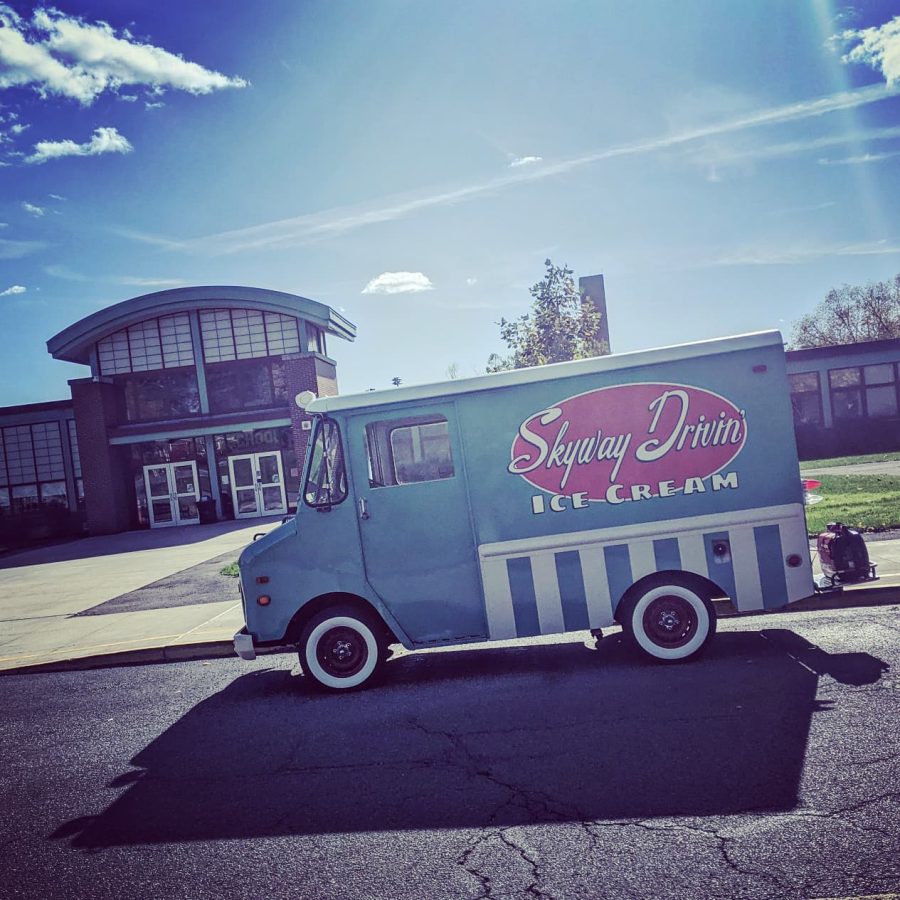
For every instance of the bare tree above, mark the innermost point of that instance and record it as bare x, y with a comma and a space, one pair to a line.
851, 314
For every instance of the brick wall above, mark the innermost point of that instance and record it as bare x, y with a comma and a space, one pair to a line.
108, 498
307, 372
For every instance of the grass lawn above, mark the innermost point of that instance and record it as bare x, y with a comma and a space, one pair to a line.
861, 501
232, 571
847, 460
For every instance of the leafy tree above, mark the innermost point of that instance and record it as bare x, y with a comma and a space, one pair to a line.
851, 314
396, 382
562, 324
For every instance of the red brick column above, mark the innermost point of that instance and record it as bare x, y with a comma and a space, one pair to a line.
107, 493
307, 372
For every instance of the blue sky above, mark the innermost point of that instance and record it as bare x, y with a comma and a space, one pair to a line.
412, 164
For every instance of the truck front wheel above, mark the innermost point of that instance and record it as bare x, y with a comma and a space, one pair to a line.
340, 649
669, 622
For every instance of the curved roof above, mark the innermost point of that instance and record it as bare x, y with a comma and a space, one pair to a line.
75, 342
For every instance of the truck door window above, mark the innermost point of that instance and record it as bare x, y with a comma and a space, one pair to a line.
408, 451
326, 483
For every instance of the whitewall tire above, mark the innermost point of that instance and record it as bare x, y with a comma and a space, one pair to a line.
669, 622
340, 649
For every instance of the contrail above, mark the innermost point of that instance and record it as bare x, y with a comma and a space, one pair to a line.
332, 222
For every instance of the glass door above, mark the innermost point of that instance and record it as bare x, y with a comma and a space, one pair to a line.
271, 483
257, 484
172, 494
160, 504
243, 486
186, 492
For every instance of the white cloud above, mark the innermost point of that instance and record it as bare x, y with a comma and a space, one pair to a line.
104, 140
781, 255
56, 197
517, 161
398, 283
18, 249
136, 281
812, 207
715, 155
859, 160
471, 282
65, 273
15, 289
877, 47
32, 209
69, 57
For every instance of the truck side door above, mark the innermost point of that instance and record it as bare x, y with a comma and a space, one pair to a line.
415, 522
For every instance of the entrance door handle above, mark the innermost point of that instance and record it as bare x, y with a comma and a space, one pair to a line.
363, 508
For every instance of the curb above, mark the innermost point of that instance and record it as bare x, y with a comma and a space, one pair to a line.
855, 598
848, 599
143, 657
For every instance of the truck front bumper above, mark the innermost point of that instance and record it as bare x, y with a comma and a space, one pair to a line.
243, 644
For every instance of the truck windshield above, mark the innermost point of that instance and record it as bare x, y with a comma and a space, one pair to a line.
326, 483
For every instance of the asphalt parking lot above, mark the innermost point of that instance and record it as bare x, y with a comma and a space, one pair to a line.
769, 768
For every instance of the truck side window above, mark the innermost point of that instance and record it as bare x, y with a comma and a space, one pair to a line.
408, 451
326, 483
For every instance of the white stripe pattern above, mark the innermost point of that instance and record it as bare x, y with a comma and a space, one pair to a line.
794, 540
693, 554
643, 559
501, 619
692, 535
546, 592
746, 568
596, 587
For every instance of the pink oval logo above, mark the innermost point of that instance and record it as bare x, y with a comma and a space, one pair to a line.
664, 436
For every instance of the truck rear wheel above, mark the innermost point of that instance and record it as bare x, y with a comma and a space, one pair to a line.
669, 622
341, 649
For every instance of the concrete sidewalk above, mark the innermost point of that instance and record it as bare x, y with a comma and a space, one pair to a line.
43, 590
42, 593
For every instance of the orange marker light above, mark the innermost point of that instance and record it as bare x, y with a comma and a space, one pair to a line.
264, 600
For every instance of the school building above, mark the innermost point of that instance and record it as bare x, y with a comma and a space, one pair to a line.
846, 399
186, 414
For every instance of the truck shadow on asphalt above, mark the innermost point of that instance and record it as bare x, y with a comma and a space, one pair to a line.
483, 738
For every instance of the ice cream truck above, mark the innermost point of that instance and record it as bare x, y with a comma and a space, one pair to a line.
631, 489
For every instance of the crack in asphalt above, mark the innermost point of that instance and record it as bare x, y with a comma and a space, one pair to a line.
535, 801
529, 800
722, 845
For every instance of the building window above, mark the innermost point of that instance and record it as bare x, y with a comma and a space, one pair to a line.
806, 398
881, 390
246, 385
864, 391
315, 339
232, 334
32, 471
163, 343
407, 451
161, 395
73, 448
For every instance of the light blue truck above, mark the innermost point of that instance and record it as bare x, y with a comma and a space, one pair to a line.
629, 489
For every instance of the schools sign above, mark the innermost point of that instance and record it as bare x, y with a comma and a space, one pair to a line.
629, 442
